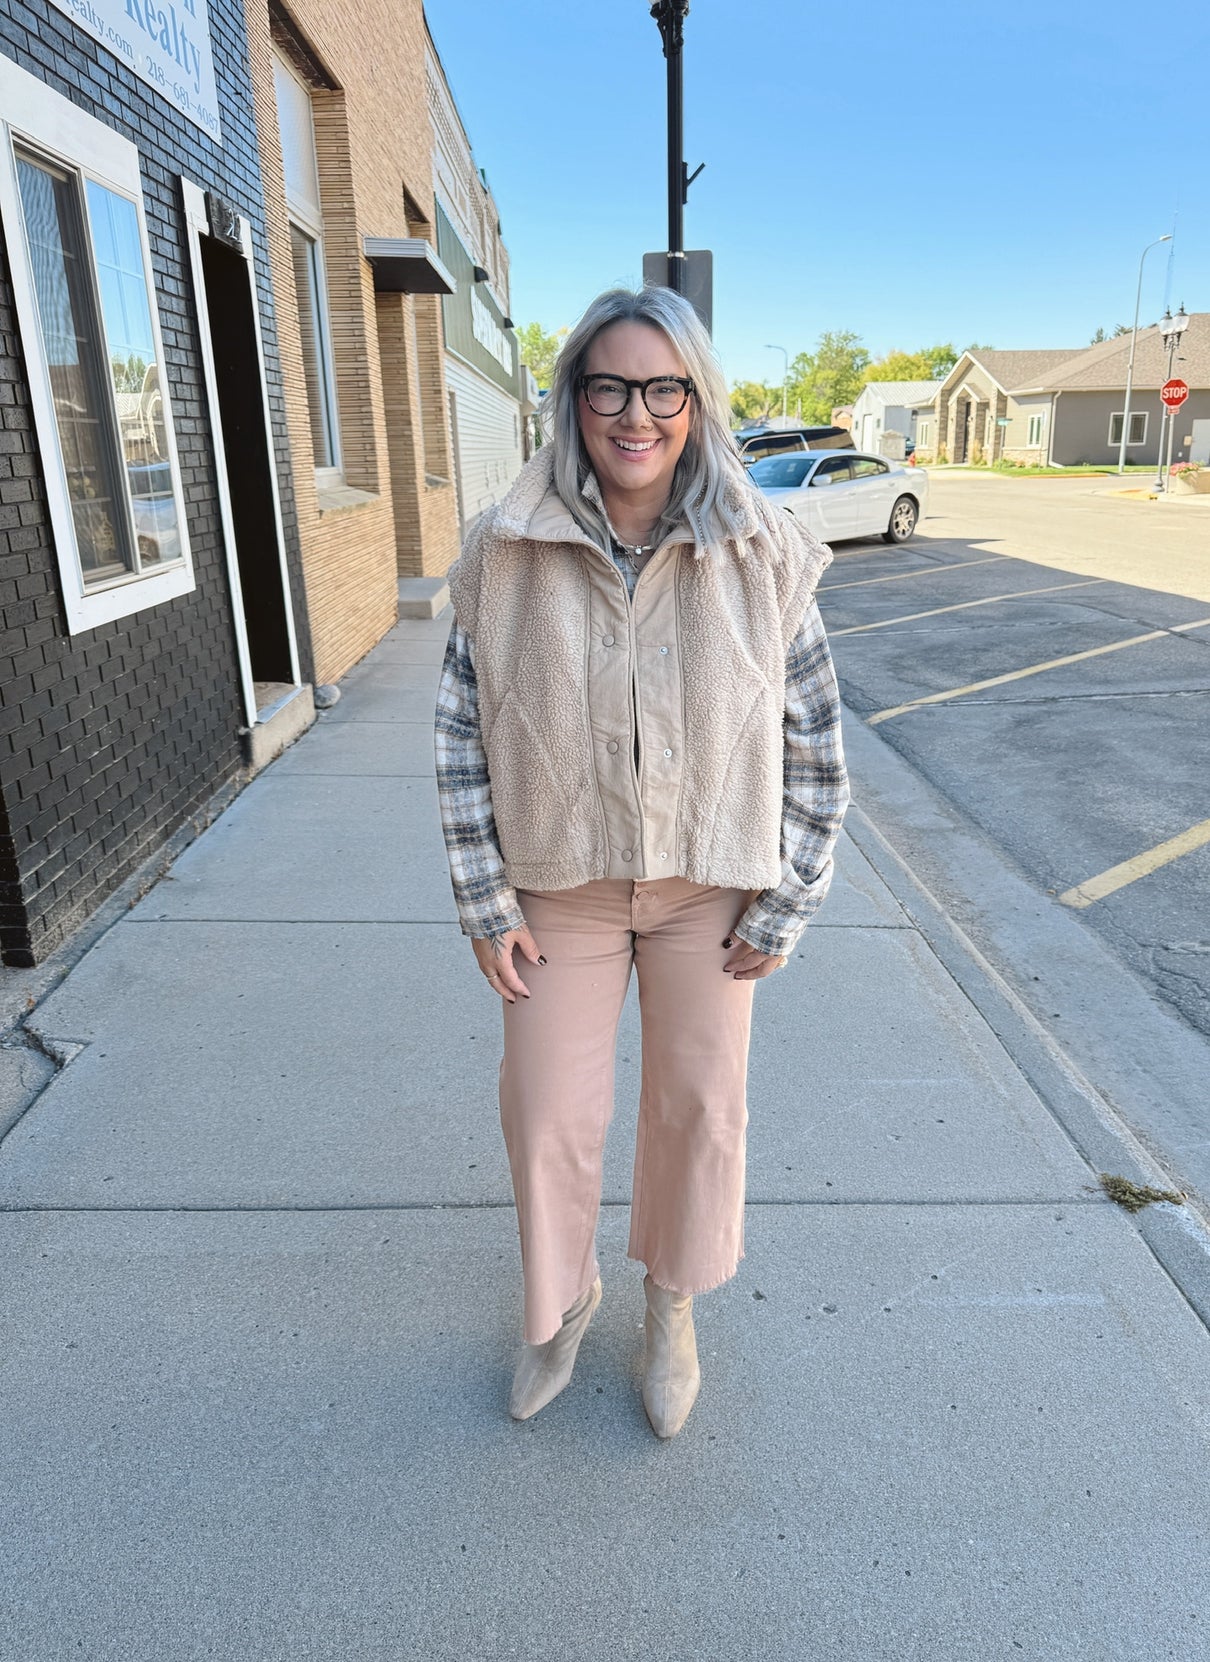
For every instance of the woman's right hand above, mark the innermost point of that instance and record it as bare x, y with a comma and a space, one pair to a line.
495, 957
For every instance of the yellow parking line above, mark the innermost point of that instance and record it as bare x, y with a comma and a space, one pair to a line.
961, 606
898, 577
1033, 669
1117, 877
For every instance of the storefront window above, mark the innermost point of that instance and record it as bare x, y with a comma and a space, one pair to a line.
71, 205
103, 368
55, 230
134, 374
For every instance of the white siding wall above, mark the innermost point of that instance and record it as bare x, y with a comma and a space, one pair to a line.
488, 439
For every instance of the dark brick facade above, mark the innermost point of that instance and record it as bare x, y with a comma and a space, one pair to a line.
113, 738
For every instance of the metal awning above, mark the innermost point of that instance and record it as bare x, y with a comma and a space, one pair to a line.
407, 265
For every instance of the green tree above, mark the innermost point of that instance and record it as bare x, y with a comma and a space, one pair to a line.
128, 373
830, 376
539, 350
931, 363
754, 401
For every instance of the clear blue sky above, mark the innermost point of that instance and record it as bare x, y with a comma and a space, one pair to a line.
915, 173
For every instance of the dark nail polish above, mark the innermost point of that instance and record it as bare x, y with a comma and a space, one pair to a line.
728, 942
541, 960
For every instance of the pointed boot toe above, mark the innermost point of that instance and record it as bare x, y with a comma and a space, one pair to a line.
544, 1370
671, 1377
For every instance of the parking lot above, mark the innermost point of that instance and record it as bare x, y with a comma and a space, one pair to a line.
1040, 653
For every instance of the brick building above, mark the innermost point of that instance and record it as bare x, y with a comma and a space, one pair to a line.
346, 156
489, 399
152, 630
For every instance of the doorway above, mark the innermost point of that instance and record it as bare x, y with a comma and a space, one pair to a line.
245, 443
247, 481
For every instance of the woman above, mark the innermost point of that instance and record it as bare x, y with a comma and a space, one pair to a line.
639, 763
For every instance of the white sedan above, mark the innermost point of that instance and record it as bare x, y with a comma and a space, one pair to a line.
843, 493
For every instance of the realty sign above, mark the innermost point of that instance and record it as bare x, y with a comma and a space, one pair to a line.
1174, 394
167, 45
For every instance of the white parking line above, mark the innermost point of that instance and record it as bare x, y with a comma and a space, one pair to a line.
898, 576
962, 606
1032, 669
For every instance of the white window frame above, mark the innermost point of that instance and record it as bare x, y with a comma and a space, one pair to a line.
924, 434
46, 121
1119, 416
306, 219
1035, 431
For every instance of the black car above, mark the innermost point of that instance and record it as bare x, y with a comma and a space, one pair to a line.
756, 442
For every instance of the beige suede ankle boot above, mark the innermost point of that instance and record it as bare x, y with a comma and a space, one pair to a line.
544, 1370
671, 1378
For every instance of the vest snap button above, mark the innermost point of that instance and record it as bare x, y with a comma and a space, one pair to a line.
606, 640
663, 856
628, 854
612, 747
668, 753
664, 651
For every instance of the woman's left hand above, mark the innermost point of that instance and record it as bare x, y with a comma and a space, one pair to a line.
747, 964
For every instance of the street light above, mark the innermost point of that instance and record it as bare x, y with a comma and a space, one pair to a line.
1171, 330
785, 376
1138, 293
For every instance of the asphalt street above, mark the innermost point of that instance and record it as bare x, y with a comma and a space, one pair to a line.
1077, 769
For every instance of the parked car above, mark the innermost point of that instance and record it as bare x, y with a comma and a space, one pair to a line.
849, 494
155, 516
756, 442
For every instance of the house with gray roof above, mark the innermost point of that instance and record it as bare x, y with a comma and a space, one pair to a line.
890, 407
1064, 407
1087, 398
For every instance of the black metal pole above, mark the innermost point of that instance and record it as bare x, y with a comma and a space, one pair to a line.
670, 15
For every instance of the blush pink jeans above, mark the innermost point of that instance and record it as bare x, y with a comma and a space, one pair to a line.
556, 1086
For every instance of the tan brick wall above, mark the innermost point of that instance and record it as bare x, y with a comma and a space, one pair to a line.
373, 145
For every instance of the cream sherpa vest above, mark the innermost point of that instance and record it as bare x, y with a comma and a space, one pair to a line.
570, 674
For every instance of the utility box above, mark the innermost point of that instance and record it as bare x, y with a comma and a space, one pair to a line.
892, 445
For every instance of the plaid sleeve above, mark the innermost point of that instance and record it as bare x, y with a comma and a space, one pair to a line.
486, 901
815, 794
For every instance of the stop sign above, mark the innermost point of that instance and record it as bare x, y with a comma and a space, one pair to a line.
1174, 393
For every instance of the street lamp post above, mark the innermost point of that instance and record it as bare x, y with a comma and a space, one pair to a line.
785, 374
670, 18
1171, 330
1138, 294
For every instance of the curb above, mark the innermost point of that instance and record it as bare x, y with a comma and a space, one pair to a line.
1177, 1236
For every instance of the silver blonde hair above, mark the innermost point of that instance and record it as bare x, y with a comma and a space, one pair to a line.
710, 482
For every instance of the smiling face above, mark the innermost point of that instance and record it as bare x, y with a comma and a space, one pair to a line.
633, 455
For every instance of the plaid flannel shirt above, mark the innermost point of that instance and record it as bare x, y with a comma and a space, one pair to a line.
814, 796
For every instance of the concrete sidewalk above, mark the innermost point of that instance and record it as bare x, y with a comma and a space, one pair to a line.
261, 1297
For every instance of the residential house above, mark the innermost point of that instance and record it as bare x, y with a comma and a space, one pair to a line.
892, 407
1087, 398
984, 395
1066, 407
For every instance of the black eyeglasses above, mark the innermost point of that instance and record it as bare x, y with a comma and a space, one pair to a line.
664, 395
